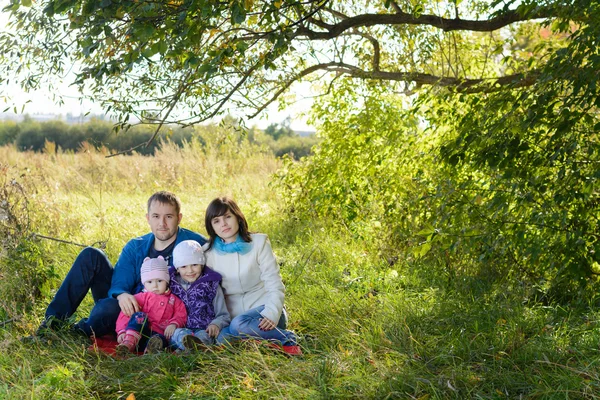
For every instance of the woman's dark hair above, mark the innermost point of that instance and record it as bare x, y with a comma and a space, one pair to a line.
219, 207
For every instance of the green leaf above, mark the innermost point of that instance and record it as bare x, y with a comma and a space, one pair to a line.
163, 47
422, 250
150, 51
238, 13
427, 230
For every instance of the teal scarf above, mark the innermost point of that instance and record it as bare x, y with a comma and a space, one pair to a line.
239, 246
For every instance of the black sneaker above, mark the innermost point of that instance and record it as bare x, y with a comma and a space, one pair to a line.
155, 345
50, 324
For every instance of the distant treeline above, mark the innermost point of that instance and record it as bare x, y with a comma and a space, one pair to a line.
31, 135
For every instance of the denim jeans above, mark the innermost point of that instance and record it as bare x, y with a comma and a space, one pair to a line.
90, 271
246, 326
177, 338
139, 323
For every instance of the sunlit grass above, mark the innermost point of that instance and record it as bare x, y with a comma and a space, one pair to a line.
368, 329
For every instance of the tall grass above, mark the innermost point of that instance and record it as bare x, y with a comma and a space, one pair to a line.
369, 328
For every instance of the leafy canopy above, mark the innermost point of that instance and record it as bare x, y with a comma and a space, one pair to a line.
190, 60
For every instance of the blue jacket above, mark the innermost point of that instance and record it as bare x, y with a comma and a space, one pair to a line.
126, 276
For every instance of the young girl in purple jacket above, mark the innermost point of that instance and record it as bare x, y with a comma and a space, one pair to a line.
200, 290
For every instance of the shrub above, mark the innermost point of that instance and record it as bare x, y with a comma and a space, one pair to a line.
295, 146
9, 130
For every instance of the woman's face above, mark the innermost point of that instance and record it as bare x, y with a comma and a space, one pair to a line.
226, 226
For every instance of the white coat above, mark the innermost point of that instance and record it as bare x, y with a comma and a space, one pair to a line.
250, 280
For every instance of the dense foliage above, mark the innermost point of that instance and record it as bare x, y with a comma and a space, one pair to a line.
503, 182
190, 60
528, 162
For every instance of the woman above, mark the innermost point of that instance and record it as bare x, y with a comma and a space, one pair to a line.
252, 285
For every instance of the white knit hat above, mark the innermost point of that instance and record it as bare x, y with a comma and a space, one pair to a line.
188, 252
155, 268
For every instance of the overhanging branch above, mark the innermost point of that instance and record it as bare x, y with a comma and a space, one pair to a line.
481, 85
445, 24
464, 85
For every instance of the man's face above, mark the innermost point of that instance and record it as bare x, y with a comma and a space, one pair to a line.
163, 220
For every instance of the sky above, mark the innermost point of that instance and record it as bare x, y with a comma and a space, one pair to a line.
41, 101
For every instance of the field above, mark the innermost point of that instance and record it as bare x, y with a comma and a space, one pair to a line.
370, 327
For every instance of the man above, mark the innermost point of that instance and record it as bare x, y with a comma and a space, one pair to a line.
113, 289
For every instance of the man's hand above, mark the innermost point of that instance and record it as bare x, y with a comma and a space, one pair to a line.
170, 330
212, 330
128, 304
265, 324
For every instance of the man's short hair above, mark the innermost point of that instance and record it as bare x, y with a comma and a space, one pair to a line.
166, 198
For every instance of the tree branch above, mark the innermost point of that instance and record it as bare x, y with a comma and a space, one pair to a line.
232, 91
101, 243
480, 85
183, 85
376, 48
287, 84
445, 24
395, 6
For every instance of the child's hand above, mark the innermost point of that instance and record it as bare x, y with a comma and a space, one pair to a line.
212, 330
169, 330
265, 324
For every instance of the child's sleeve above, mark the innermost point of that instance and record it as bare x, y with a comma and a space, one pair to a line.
179, 315
122, 321
141, 299
222, 317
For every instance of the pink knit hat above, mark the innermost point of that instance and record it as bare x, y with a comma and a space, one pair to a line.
154, 268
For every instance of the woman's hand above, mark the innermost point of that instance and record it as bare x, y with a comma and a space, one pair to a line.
170, 330
265, 324
212, 330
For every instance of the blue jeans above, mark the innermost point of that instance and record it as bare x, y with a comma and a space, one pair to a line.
246, 326
90, 271
139, 323
177, 338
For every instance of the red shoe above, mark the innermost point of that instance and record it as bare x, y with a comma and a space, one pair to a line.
293, 350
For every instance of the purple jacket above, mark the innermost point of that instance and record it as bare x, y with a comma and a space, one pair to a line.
198, 299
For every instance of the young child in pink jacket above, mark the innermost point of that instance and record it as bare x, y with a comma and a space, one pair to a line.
161, 312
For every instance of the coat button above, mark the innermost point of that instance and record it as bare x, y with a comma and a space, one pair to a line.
162, 303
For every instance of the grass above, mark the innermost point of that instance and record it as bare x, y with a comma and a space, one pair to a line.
369, 329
